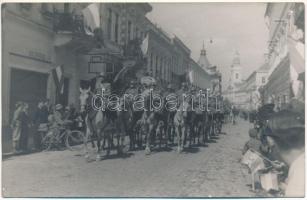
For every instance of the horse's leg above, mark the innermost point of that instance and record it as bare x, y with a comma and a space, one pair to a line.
166, 134
118, 143
184, 135
120, 140
148, 138
173, 133
132, 137
198, 132
109, 139
99, 137
179, 138
85, 144
160, 135
103, 143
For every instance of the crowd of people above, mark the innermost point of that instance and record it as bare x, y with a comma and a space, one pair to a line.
45, 116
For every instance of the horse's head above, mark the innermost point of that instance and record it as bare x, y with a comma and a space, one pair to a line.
84, 96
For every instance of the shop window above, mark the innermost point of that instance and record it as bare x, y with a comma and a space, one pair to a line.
263, 80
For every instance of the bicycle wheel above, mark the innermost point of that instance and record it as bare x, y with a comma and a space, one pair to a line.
47, 142
75, 140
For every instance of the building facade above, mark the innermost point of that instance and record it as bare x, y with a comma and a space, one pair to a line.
252, 85
236, 92
285, 22
199, 77
37, 37
29, 55
207, 73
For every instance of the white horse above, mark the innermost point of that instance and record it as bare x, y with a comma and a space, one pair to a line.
95, 121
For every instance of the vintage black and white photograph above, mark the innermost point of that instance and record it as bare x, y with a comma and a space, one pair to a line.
153, 99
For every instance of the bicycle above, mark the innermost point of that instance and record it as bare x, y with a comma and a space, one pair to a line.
58, 137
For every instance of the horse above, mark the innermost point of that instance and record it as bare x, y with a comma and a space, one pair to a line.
97, 121
181, 125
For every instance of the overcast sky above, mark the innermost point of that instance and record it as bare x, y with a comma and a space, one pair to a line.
232, 26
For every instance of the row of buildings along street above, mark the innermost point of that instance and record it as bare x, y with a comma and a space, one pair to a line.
236, 71
280, 76
39, 37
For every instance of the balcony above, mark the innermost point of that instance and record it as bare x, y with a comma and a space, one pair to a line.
67, 22
70, 33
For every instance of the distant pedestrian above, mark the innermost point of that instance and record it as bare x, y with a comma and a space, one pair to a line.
16, 126
25, 124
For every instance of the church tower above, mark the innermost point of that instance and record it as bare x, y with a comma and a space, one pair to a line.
203, 60
236, 70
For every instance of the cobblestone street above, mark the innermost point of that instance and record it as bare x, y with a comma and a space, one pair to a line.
208, 171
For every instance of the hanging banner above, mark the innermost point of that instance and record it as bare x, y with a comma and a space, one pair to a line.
58, 78
91, 17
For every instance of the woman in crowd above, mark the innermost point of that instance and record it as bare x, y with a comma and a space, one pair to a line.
25, 124
16, 126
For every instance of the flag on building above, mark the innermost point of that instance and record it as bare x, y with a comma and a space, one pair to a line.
58, 78
91, 17
144, 45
